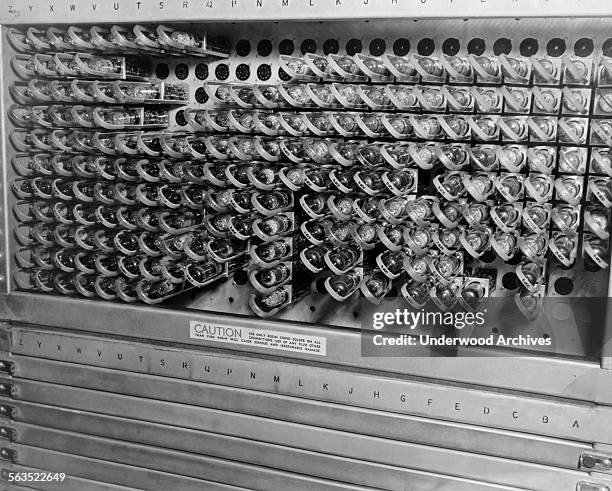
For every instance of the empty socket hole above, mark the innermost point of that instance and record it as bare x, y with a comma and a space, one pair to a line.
476, 46
556, 47
201, 71
180, 119
308, 46
401, 47
264, 72
331, 46
529, 47
201, 96
283, 75
450, 46
510, 281
377, 47
286, 47
353, 46
264, 47
502, 46
222, 71
426, 46
162, 71
243, 71
584, 47
241, 277
607, 47
243, 47
181, 71
564, 286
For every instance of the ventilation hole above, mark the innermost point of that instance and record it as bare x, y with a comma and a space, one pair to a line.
353, 46
556, 47
264, 47
476, 46
230, 299
283, 75
264, 72
180, 119
377, 47
495, 330
450, 46
243, 71
584, 47
222, 71
426, 46
488, 257
502, 46
331, 46
162, 71
564, 286
401, 47
607, 47
201, 71
529, 47
286, 47
243, 47
201, 96
308, 46
355, 314
510, 281
241, 277
312, 308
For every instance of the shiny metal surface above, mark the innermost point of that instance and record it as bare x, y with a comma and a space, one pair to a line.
582, 422
355, 473
304, 424
115, 473
306, 461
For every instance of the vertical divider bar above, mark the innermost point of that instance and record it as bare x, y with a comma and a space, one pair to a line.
4, 184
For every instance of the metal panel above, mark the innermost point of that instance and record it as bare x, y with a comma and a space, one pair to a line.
188, 464
59, 11
98, 470
312, 420
358, 463
70, 483
557, 377
581, 422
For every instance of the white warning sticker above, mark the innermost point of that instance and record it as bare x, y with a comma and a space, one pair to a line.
262, 338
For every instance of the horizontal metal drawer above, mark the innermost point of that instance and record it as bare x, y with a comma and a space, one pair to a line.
499, 409
70, 483
350, 474
300, 423
338, 456
112, 472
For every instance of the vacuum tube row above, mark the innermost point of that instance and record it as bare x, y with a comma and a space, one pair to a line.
412, 98
157, 40
469, 69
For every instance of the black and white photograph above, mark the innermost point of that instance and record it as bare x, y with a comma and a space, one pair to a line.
305, 245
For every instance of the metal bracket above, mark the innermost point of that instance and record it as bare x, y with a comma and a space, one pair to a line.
591, 486
8, 454
7, 411
7, 389
595, 462
7, 433
7, 367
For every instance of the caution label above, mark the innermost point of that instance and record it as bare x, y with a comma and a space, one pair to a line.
262, 338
